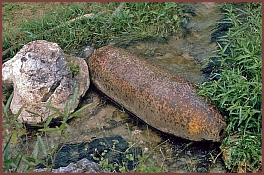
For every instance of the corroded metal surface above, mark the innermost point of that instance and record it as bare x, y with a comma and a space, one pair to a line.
157, 96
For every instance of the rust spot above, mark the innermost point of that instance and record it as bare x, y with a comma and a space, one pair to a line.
194, 127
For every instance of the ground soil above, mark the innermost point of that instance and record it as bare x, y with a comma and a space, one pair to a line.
14, 13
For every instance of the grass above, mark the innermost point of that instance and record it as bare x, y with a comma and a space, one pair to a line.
12, 161
21, 162
238, 91
133, 22
144, 162
51, 21
235, 87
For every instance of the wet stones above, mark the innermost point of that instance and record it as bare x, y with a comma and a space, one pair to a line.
42, 74
82, 166
115, 148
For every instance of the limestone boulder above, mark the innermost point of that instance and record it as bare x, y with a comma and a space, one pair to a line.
42, 74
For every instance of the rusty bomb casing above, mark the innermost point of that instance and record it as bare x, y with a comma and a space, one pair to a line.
155, 95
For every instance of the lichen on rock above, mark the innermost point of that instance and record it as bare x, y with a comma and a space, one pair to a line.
40, 74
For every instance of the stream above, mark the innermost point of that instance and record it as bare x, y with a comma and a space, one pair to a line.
184, 54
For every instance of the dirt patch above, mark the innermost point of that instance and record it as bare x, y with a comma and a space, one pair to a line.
15, 12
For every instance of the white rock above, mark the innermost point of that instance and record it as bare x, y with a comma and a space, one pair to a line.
40, 72
82, 166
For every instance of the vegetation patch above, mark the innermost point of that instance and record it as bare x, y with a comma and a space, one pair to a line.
107, 22
72, 26
237, 92
112, 153
17, 161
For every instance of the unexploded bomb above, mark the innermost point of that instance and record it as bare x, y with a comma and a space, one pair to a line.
157, 96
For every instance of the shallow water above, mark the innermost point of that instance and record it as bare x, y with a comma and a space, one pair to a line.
184, 54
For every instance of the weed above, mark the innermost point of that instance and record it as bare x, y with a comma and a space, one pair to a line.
143, 163
10, 6
240, 69
237, 93
12, 164
134, 21
74, 68
145, 166
12, 160
113, 164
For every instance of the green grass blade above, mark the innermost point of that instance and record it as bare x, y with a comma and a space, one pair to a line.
36, 150
42, 145
55, 110
49, 129
74, 98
